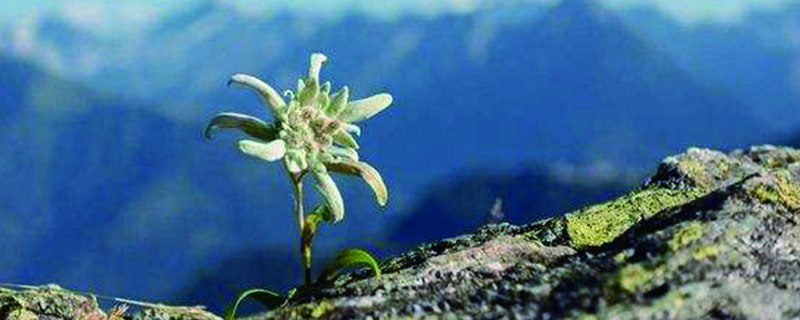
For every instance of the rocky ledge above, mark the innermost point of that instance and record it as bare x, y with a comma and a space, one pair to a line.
708, 236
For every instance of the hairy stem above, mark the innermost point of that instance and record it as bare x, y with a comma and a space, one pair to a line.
297, 187
305, 240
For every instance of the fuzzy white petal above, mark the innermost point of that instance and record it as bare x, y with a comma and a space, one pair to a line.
267, 151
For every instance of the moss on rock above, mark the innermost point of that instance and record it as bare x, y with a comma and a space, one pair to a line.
779, 190
686, 235
705, 252
55, 303
602, 223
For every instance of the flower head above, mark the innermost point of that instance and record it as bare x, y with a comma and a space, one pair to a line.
314, 132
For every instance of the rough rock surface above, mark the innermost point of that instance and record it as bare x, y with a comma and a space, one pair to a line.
52, 302
708, 236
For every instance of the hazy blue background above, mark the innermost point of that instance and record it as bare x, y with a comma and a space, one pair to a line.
107, 186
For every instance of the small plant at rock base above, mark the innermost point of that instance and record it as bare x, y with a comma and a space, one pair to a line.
313, 133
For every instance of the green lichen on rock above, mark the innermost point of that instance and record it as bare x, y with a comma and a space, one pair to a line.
633, 278
781, 190
686, 235
705, 252
602, 223
54, 303
50, 300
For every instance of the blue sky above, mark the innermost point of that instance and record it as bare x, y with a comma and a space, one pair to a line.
141, 11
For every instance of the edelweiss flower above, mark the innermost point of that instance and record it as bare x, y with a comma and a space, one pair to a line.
314, 133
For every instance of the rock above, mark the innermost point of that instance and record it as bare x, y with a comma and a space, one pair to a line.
52, 302
708, 236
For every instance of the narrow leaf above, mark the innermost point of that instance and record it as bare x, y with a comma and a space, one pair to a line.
345, 139
365, 108
324, 213
300, 85
351, 128
339, 102
267, 151
329, 192
366, 172
323, 100
309, 93
317, 59
250, 125
343, 152
326, 88
269, 299
349, 258
269, 94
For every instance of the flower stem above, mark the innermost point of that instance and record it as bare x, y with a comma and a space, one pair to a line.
305, 240
297, 185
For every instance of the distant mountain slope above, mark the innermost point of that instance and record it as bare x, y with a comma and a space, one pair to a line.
574, 79
574, 86
117, 193
755, 61
605, 91
14, 87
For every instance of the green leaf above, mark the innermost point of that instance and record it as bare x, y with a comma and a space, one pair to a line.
349, 258
269, 299
326, 88
343, 137
300, 86
309, 93
365, 108
338, 102
323, 100
250, 125
323, 212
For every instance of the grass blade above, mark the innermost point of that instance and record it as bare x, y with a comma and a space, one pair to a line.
269, 299
348, 258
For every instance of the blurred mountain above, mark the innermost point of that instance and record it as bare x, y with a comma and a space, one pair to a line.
544, 75
756, 61
15, 87
55, 44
